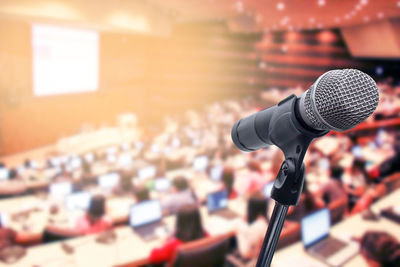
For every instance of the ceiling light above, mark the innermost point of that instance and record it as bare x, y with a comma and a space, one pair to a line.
398, 4
239, 6
320, 26
380, 15
364, 2
366, 18
284, 21
280, 6
321, 2
358, 7
347, 17
352, 13
337, 19
311, 20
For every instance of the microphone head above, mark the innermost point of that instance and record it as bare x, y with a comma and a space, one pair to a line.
339, 100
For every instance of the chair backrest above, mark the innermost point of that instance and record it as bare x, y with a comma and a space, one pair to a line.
206, 252
337, 209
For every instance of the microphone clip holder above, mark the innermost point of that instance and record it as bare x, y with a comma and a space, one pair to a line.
293, 137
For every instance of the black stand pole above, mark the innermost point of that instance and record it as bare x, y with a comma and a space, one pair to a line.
286, 191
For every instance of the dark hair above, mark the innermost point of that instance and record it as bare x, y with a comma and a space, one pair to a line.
254, 166
96, 208
227, 179
188, 224
13, 173
142, 193
257, 206
336, 172
180, 183
382, 248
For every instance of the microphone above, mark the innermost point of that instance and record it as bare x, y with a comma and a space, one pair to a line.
339, 100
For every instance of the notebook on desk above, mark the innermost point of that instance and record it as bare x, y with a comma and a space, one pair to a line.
319, 243
145, 217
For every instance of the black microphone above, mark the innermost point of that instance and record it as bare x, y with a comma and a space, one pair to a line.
339, 100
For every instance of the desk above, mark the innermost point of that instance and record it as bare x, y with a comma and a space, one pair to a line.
129, 248
353, 226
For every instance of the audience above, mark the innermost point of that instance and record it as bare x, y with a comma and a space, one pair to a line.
250, 236
228, 178
180, 195
188, 228
333, 189
95, 219
380, 249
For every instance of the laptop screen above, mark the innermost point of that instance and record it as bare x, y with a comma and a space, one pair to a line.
217, 200
60, 189
4, 174
78, 201
216, 173
162, 184
200, 163
144, 213
147, 172
267, 189
108, 180
315, 226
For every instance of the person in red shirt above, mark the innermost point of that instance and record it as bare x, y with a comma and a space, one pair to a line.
94, 221
188, 228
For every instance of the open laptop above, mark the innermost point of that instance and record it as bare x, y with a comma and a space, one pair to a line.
109, 180
216, 173
145, 217
200, 163
78, 201
162, 184
4, 174
267, 189
318, 243
147, 172
217, 204
60, 189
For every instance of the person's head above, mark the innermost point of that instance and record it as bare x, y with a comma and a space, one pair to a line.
254, 166
96, 208
180, 184
380, 249
228, 178
257, 206
142, 193
188, 224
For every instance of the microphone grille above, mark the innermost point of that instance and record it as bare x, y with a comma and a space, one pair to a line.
341, 99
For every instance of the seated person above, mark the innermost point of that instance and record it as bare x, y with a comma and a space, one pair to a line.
141, 193
333, 189
380, 249
255, 179
188, 228
180, 195
228, 178
355, 182
251, 235
7, 237
308, 203
94, 221
13, 186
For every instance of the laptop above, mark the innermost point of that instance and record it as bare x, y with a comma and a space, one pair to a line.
200, 163
267, 189
60, 189
145, 217
4, 174
109, 180
216, 173
78, 201
318, 243
217, 204
162, 184
147, 172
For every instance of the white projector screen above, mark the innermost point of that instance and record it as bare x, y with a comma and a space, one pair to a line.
65, 60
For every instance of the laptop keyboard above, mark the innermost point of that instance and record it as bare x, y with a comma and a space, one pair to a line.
226, 213
328, 247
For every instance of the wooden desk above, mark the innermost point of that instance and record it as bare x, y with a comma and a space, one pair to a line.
353, 226
129, 248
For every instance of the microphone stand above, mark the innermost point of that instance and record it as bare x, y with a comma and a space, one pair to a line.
286, 191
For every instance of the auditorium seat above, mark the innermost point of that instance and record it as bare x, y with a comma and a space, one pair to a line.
337, 209
207, 252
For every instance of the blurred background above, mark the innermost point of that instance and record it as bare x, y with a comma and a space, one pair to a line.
115, 120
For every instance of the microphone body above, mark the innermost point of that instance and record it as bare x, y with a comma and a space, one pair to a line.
339, 100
